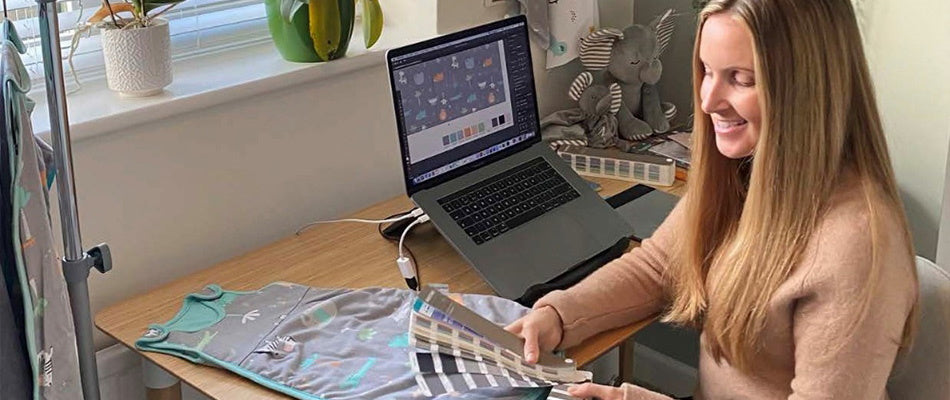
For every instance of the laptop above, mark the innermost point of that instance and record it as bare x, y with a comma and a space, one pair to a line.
473, 159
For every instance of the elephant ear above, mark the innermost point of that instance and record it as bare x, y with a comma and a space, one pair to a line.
580, 84
616, 98
662, 26
595, 48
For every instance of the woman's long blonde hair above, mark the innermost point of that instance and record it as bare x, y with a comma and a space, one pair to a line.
753, 218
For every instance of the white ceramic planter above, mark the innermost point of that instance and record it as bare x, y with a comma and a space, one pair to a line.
138, 61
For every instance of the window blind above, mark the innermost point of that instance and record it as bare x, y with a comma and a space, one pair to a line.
196, 26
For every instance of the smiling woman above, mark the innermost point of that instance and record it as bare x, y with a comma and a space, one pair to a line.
728, 90
790, 249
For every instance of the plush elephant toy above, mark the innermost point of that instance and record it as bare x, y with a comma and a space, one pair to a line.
630, 58
593, 123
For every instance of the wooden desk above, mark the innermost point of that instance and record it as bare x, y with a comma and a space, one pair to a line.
333, 255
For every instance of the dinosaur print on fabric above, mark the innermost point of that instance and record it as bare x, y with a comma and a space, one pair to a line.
354, 380
307, 362
205, 339
366, 334
400, 341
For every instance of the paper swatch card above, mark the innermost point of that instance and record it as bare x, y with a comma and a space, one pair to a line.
457, 351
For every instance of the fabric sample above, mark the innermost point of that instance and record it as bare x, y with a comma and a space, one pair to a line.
48, 321
310, 343
16, 380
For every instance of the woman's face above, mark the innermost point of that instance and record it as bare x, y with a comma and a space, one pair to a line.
728, 91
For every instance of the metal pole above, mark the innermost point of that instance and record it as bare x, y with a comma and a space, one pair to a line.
74, 271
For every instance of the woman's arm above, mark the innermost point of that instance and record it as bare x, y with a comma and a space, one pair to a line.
843, 351
625, 290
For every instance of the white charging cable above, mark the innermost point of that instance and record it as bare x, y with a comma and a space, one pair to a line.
406, 266
415, 213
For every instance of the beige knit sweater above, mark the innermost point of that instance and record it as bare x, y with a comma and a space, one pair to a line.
809, 353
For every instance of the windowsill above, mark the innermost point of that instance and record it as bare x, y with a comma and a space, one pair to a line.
212, 79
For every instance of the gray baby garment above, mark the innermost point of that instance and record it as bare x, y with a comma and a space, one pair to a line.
313, 343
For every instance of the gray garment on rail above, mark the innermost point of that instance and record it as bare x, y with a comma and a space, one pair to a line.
50, 335
306, 342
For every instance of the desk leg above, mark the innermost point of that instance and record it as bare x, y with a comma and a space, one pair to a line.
626, 360
159, 385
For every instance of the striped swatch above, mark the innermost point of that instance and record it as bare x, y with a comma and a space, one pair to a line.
450, 358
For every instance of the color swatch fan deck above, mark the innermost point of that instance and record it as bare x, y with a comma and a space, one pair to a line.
457, 351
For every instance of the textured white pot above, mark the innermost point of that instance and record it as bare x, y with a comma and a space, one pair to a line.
138, 60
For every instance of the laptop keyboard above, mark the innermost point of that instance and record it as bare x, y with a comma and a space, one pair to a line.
502, 202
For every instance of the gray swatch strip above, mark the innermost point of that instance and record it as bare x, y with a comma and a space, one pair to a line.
435, 384
425, 362
481, 364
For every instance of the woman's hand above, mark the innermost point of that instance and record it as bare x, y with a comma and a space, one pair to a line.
541, 330
593, 390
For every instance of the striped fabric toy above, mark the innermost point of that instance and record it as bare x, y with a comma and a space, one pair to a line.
586, 80
595, 49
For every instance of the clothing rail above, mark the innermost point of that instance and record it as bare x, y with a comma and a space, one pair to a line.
76, 262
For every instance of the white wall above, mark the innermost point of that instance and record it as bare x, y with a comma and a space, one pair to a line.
181, 194
908, 46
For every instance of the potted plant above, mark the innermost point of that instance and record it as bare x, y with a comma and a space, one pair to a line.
320, 30
136, 45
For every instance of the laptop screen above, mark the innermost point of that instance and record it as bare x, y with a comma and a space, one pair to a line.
463, 100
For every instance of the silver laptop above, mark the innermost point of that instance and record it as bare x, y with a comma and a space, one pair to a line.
473, 159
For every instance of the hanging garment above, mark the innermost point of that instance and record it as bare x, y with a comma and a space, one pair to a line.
16, 380
48, 321
312, 343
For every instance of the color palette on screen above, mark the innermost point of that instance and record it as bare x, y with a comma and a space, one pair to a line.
463, 134
497, 121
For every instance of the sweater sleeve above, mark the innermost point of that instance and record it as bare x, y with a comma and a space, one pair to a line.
633, 392
841, 351
625, 290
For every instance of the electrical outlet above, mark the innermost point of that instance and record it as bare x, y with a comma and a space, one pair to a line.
492, 3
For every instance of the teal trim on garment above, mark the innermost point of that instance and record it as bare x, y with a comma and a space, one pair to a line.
10, 34
197, 312
211, 308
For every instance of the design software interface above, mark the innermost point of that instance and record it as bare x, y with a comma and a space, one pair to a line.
464, 100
